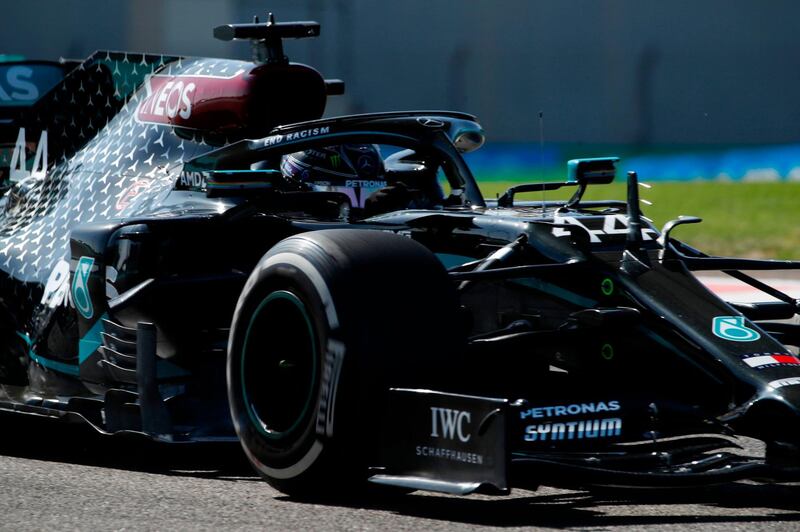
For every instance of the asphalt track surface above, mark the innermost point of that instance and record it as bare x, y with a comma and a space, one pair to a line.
62, 477
58, 477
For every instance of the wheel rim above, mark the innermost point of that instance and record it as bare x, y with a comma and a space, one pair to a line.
279, 365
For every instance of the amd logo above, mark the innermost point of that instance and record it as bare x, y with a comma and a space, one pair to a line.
192, 180
451, 423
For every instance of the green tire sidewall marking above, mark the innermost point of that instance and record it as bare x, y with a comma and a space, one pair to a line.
607, 351
607, 286
287, 296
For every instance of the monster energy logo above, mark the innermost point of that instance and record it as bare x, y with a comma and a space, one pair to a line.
80, 287
336, 160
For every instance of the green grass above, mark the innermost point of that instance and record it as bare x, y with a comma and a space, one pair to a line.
739, 219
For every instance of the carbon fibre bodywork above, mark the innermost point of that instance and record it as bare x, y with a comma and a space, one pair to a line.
592, 354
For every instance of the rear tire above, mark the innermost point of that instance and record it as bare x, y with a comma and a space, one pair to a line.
326, 323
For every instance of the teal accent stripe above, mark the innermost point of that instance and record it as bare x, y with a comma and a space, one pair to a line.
91, 340
26, 338
557, 291
61, 367
87, 346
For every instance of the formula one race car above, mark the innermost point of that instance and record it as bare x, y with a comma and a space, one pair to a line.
337, 295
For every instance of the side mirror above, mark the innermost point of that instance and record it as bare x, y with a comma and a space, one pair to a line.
597, 171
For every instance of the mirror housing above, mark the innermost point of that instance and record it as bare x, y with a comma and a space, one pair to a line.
595, 171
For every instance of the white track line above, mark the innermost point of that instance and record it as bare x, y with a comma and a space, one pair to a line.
730, 289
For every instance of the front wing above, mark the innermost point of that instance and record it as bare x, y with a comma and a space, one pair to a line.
461, 444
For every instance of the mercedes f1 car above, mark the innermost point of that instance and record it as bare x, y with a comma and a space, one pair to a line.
192, 254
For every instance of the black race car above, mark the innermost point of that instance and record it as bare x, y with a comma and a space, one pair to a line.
336, 294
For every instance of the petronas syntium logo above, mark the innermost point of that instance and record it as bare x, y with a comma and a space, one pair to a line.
80, 287
733, 328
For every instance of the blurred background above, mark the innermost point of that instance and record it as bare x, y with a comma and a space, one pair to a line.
700, 97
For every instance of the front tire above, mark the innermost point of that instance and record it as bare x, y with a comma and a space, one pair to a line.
326, 324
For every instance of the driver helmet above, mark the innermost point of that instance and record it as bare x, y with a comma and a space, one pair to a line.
356, 170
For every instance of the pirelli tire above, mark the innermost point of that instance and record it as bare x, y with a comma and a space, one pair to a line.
327, 322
